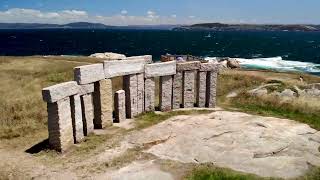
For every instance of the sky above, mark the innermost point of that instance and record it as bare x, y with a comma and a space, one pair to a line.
151, 12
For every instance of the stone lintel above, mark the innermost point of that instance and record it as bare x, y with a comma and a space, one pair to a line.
124, 67
188, 66
89, 73
160, 69
208, 67
148, 58
60, 91
86, 89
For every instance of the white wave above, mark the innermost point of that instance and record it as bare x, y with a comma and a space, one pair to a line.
276, 63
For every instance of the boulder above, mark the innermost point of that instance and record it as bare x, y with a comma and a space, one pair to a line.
287, 93
108, 56
233, 64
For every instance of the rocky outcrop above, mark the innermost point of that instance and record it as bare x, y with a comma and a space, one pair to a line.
233, 63
108, 56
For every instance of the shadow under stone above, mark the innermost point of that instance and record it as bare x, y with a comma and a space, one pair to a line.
41, 146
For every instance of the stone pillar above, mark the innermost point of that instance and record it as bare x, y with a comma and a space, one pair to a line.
87, 114
165, 93
188, 89
60, 124
177, 90
149, 94
103, 104
120, 106
201, 84
131, 91
211, 89
76, 114
140, 97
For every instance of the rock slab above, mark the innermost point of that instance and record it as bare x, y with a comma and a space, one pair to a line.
188, 66
124, 67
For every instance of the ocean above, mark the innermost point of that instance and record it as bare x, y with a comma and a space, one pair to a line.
282, 51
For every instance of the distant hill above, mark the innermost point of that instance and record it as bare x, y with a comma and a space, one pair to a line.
81, 25
249, 27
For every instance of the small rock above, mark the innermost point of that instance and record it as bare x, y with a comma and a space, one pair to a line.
108, 56
233, 64
288, 93
232, 95
259, 92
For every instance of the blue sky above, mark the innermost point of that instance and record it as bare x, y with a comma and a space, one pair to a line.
124, 12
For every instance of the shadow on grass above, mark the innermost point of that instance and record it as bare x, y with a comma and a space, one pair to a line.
41, 146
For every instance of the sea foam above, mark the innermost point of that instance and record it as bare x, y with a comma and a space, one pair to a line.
277, 64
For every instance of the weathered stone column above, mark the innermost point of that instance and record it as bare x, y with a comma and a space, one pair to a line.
59, 114
211, 89
149, 94
165, 70
165, 93
103, 103
140, 97
87, 113
188, 89
76, 114
120, 106
131, 91
201, 84
177, 90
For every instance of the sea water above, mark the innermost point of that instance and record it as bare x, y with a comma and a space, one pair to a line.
283, 51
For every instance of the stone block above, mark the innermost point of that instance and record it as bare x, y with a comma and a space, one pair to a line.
120, 106
77, 122
165, 93
124, 67
130, 83
188, 89
148, 58
89, 73
60, 91
87, 113
86, 89
160, 69
211, 89
103, 104
208, 67
140, 93
60, 125
188, 66
149, 94
202, 86
177, 90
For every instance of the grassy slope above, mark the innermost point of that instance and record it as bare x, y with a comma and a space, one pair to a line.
23, 114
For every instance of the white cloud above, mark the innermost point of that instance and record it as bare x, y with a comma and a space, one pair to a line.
124, 12
66, 16
192, 17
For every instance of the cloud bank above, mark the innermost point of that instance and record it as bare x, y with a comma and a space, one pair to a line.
18, 15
